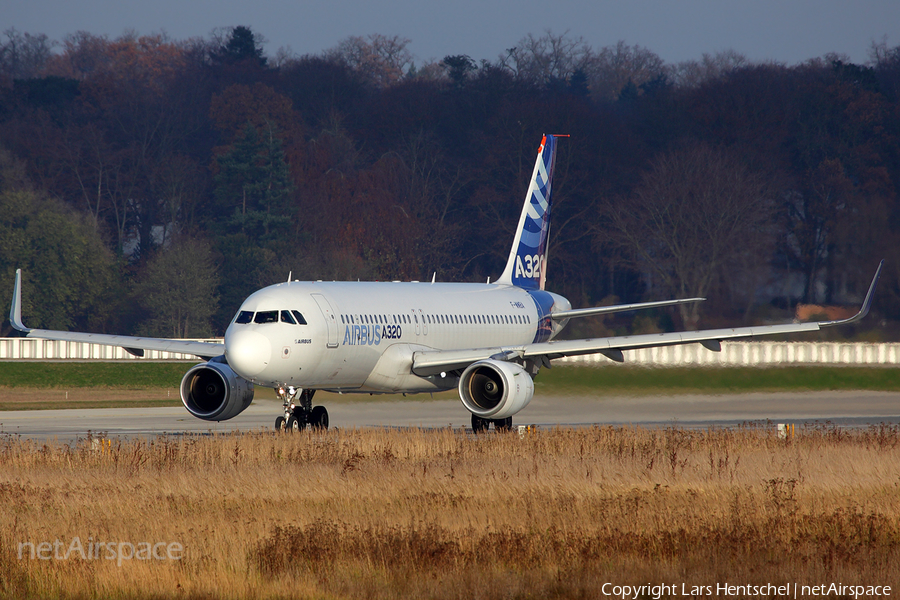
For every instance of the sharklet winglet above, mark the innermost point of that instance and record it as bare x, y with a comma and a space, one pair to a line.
15, 310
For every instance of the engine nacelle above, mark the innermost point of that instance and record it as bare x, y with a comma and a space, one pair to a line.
213, 392
493, 389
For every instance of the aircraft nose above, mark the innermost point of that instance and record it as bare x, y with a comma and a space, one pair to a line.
248, 352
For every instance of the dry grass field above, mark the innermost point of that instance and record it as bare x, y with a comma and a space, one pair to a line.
444, 514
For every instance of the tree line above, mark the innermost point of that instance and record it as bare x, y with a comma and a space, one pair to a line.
148, 185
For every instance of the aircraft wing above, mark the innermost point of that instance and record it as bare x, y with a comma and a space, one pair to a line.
134, 345
431, 362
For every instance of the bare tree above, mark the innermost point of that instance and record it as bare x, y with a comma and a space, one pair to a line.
693, 73
382, 59
24, 55
177, 290
696, 215
548, 57
614, 67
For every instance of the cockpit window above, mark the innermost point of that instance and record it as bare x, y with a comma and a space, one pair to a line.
244, 317
287, 318
266, 316
299, 317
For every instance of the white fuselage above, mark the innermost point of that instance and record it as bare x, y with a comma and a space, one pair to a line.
361, 336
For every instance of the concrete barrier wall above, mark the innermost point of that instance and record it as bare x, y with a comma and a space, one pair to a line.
753, 354
733, 354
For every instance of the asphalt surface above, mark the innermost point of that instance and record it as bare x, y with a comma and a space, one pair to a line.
852, 409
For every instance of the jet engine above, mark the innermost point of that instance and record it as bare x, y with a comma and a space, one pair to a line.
213, 392
493, 389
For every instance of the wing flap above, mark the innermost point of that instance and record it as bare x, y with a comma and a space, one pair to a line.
133, 344
562, 348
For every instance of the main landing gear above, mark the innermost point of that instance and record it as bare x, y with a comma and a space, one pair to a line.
299, 411
479, 424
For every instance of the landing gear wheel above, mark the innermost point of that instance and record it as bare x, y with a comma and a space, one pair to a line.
293, 424
318, 418
279, 423
479, 424
503, 424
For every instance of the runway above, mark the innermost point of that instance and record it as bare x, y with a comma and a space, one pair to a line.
843, 408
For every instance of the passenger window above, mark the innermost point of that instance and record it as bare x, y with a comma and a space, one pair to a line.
266, 316
299, 317
244, 317
287, 318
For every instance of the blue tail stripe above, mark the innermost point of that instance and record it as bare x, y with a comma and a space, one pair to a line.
531, 239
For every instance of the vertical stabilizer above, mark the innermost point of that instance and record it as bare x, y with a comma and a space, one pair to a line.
528, 257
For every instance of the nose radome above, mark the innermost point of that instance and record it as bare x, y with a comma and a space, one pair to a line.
248, 353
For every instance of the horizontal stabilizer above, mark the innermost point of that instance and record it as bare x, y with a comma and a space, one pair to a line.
605, 310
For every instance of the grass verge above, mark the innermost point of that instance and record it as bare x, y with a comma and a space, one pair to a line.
43, 399
92, 374
652, 381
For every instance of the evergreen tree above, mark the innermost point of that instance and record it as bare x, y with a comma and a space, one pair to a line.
242, 45
253, 185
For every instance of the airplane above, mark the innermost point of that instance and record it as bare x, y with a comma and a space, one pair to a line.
488, 341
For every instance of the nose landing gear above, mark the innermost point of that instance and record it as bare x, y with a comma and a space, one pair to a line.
299, 411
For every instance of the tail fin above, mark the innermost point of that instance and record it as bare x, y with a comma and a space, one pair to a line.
526, 265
